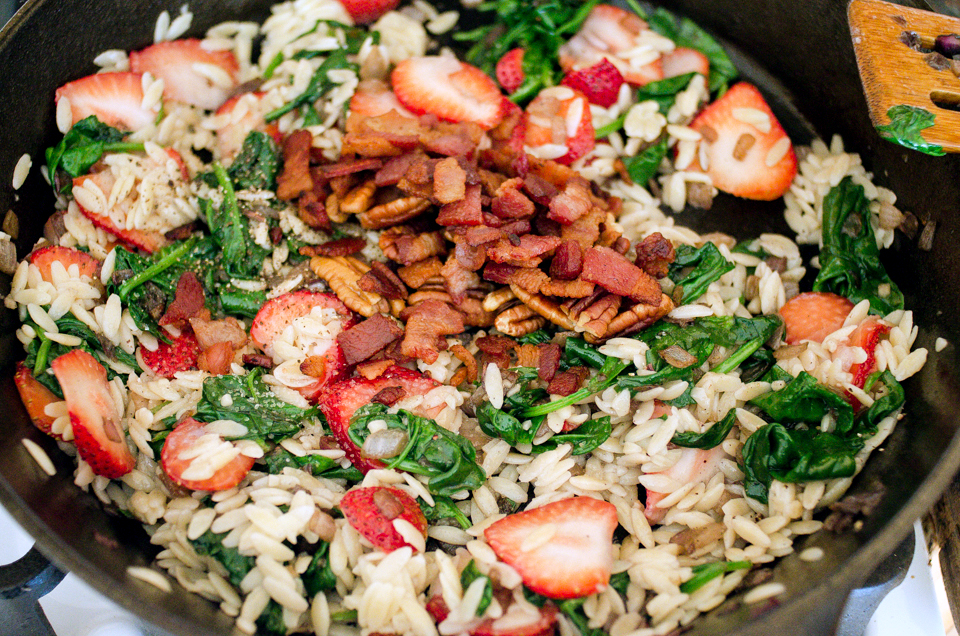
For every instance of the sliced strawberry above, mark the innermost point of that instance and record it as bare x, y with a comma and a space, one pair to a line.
367, 11
813, 316
230, 136
609, 33
371, 512
509, 70
374, 98
277, 313
145, 240
35, 398
329, 367
682, 60
600, 83
44, 258
340, 401
738, 152
178, 158
176, 456
561, 116
169, 358
694, 466
97, 434
115, 98
542, 625
867, 336
576, 559
181, 64
448, 88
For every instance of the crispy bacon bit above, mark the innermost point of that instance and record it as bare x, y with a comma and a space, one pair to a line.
417, 274
527, 254
613, 272
549, 361
468, 360
295, 178
528, 355
401, 244
314, 366
313, 212
388, 395
466, 211
449, 181
258, 360
426, 323
381, 280
340, 247
187, 302
349, 166
539, 189
568, 381
567, 261
654, 255
367, 338
211, 332
585, 230
374, 368
496, 345
470, 257
510, 203
394, 169
216, 359
458, 279
183, 232
499, 274
482, 235
572, 203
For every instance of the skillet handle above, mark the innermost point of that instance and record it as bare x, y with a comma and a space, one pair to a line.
22, 583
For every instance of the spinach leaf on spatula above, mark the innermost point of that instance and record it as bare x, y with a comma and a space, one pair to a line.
906, 126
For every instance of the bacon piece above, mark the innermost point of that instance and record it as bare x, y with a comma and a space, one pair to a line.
510, 203
577, 288
613, 272
527, 253
469, 256
458, 279
568, 381
216, 359
490, 181
401, 244
468, 360
567, 261
183, 232
211, 332
496, 349
368, 338
394, 169
295, 179
417, 274
380, 279
499, 273
539, 189
313, 211
451, 139
388, 395
349, 166
426, 323
528, 355
548, 362
340, 247
187, 301
654, 255
585, 230
466, 211
449, 181
374, 368
482, 235
258, 360
572, 203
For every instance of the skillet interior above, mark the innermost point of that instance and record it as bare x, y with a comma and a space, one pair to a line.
808, 48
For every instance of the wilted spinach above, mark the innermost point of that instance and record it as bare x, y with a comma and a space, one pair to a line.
255, 167
707, 264
83, 146
470, 574
711, 437
906, 126
706, 572
320, 84
318, 577
211, 544
316, 465
687, 33
444, 508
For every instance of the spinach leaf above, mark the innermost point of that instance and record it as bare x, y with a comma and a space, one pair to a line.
83, 146
498, 423
888, 404
804, 400
571, 608
688, 34
584, 439
449, 460
607, 376
664, 92
270, 622
577, 351
540, 336
211, 544
470, 574
706, 572
320, 84
251, 403
905, 127
316, 465
643, 166
354, 37
711, 437
850, 259
708, 266
318, 577
242, 257
255, 167
444, 508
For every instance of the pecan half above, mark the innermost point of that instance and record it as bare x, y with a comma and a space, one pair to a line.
393, 212
518, 321
635, 319
359, 199
343, 274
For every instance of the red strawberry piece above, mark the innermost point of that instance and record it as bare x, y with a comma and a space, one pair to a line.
145, 240
682, 60
607, 33
44, 258
543, 625
813, 316
559, 115
239, 124
448, 88
371, 511
97, 433
746, 158
694, 466
329, 367
277, 313
574, 561
340, 401
176, 457
867, 336
374, 98
115, 98
169, 358
600, 83
509, 70
367, 11
176, 64
35, 398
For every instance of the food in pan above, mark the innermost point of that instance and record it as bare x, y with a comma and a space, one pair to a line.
374, 338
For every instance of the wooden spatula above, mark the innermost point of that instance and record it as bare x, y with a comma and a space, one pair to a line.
911, 102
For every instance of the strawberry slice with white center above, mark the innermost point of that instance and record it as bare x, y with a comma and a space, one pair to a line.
694, 466
367, 11
448, 88
682, 60
240, 115
813, 316
340, 401
561, 550
558, 118
374, 98
97, 433
146, 240
190, 444
115, 98
747, 151
171, 357
45, 257
35, 398
191, 74
610, 33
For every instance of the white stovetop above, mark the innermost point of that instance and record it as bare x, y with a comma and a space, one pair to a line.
916, 608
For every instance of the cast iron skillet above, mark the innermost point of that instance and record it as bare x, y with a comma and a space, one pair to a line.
804, 43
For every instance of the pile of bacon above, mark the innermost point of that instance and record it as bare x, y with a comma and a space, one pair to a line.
474, 233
